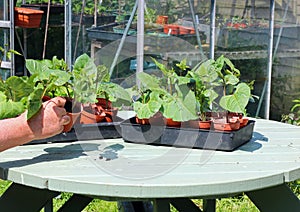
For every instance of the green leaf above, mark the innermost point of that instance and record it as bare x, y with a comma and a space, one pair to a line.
17, 88
180, 109
85, 75
3, 97
113, 91
148, 81
34, 66
102, 74
11, 109
147, 110
238, 101
206, 71
163, 68
231, 79
34, 102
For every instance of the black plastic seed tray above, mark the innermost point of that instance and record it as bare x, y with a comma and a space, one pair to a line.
101, 130
186, 137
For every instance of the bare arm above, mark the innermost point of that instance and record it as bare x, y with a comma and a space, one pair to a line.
49, 121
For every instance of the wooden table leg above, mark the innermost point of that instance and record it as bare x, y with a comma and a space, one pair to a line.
184, 204
23, 198
75, 203
277, 198
209, 205
161, 205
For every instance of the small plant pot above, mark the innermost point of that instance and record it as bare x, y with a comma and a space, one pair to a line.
105, 104
74, 117
198, 124
74, 110
184, 30
90, 118
157, 119
162, 19
28, 18
171, 123
228, 126
142, 121
244, 122
171, 29
110, 114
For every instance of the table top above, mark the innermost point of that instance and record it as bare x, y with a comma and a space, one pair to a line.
112, 168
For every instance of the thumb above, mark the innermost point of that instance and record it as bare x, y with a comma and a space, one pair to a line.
66, 119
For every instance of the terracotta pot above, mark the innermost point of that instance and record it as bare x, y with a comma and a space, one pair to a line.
74, 110
162, 19
28, 18
74, 117
216, 115
171, 123
46, 98
157, 119
142, 121
229, 126
173, 29
184, 30
90, 118
197, 124
233, 114
105, 104
244, 122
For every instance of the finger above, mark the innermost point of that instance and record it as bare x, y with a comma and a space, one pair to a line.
59, 101
60, 111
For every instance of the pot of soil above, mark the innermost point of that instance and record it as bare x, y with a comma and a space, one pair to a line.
106, 107
233, 124
198, 124
91, 114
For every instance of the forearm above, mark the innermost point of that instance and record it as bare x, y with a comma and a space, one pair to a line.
49, 121
14, 132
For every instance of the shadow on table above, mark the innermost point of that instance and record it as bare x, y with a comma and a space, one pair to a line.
110, 152
53, 154
253, 145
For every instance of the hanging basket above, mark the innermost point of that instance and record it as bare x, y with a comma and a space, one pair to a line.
28, 18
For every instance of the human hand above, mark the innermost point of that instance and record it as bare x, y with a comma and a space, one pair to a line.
50, 120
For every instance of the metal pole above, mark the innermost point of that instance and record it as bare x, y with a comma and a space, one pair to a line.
140, 38
212, 29
12, 32
46, 29
123, 38
191, 4
270, 58
68, 34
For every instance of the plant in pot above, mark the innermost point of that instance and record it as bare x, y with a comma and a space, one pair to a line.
55, 79
110, 95
204, 78
52, 78
18, 94
93, 12
234, 97
169, 95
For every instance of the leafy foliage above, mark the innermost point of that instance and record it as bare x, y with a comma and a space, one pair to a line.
221, 73
170, 95
51, 78
109, 90
294, 116
84, 79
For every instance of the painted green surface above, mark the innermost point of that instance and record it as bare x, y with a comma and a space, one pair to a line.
114, 168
